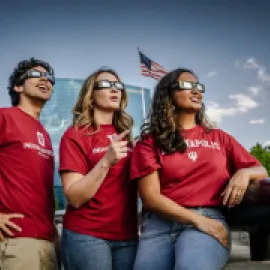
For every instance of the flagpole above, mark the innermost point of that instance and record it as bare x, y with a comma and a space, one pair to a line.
142, 89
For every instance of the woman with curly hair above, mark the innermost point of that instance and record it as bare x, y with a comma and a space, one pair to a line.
100, 224
186, 171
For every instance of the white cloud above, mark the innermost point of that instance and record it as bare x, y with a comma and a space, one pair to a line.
267, 143
257, 121
251, 64
243, 104
216, 112
262, 74
254, 90
212, 74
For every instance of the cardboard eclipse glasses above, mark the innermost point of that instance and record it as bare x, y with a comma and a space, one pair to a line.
33, 73
186, 85
103, 84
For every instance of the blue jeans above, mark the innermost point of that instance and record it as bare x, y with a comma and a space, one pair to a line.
168, 245
84, 252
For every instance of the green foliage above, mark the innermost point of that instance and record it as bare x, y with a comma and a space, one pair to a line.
262, 154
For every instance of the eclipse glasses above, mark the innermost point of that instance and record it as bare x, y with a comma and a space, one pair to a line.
103, 84
34, 73
186, 85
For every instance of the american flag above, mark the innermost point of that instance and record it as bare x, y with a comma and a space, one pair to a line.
150, 68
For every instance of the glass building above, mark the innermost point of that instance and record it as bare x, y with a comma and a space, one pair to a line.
57, 115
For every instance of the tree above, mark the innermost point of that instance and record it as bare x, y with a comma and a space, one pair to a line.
262, 154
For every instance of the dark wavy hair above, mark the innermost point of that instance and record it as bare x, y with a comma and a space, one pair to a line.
162, 122
21, 69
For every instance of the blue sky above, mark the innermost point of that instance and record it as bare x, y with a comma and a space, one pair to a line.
225, 42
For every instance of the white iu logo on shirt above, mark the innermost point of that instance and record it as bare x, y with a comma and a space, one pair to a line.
193, 156
40, 138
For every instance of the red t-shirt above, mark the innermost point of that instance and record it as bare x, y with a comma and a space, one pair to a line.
197, 177
26, 173
112, 212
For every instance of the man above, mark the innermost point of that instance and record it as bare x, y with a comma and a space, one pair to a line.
27, 230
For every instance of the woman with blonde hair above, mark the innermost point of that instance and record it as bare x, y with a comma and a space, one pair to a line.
100, 224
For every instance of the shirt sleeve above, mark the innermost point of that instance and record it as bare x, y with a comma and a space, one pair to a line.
72, 155
238, 156
2, 128
144, 158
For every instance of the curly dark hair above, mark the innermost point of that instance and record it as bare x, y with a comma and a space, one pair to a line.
20, 69
162, 122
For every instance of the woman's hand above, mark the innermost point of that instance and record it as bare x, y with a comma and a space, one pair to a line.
236, 189
214, 228
117, 149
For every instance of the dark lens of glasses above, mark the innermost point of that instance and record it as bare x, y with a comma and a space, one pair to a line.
38, 74
50, 77
34, 74
108, 84
200, 87
185, 85
119, 85
104, 84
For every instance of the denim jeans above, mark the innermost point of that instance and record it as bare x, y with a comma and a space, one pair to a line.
167, 245
85, 252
